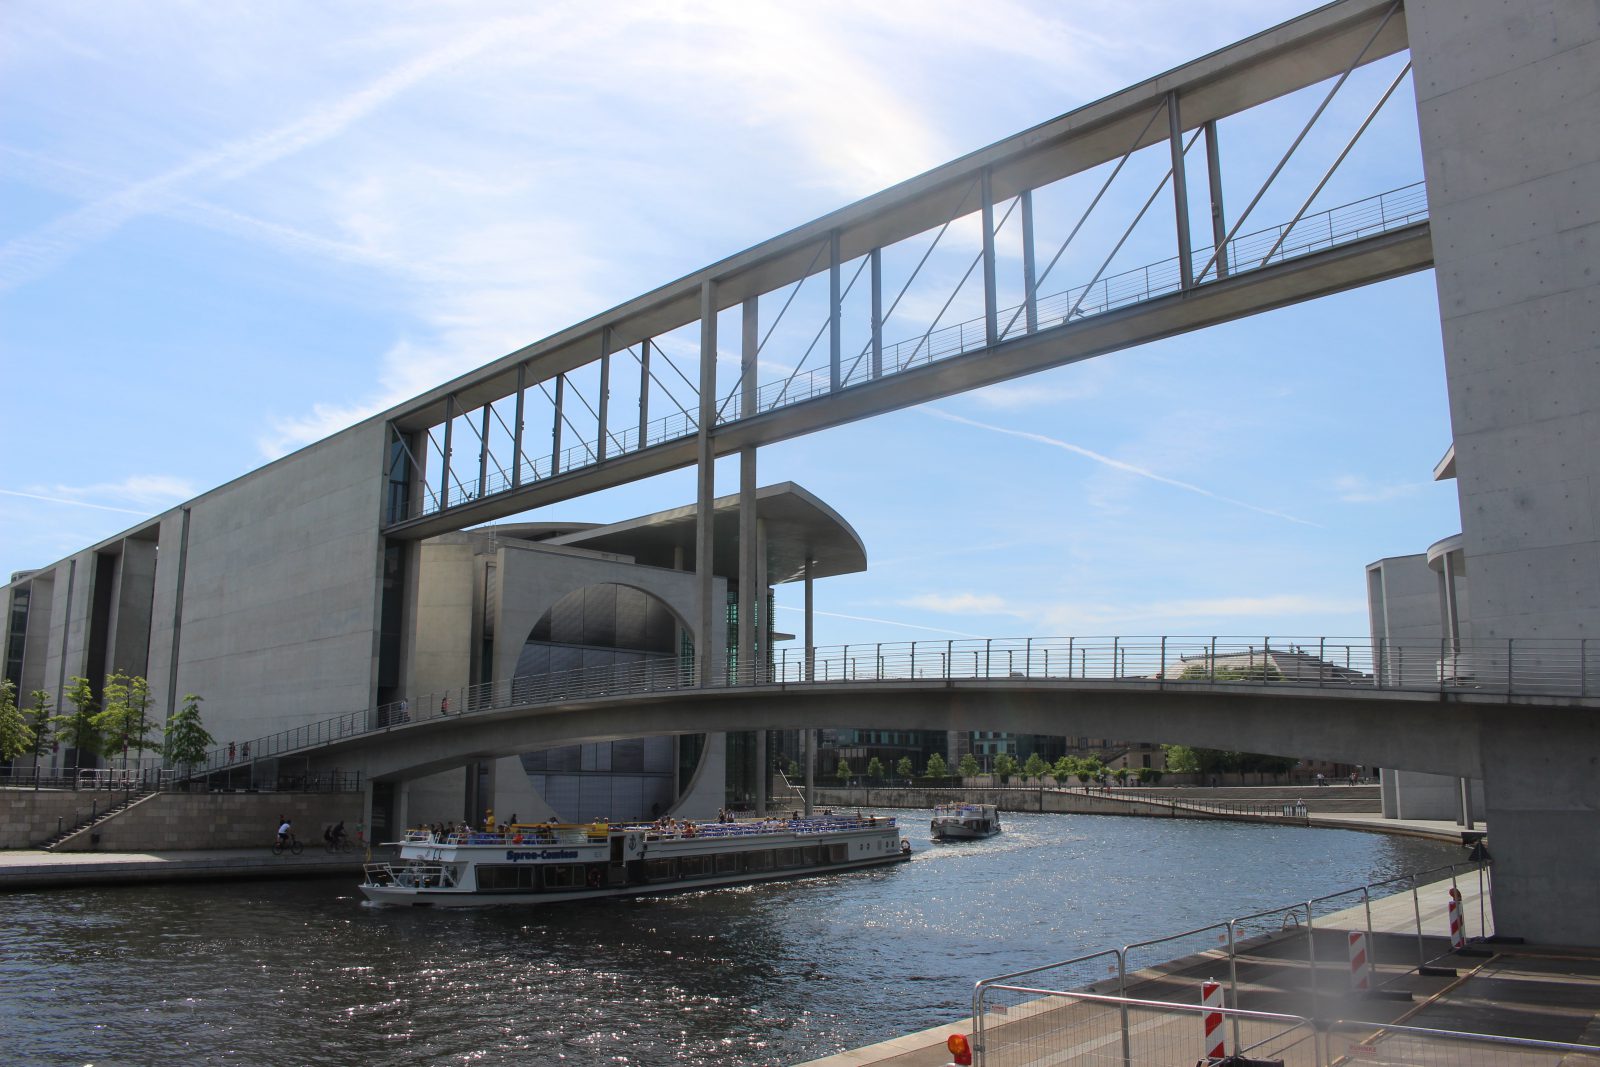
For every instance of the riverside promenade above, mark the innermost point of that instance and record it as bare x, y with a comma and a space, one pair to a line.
37, 869
1536, 992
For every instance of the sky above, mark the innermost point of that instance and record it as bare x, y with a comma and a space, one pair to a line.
230, 229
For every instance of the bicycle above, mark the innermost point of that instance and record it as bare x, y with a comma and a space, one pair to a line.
294, 846
339, 845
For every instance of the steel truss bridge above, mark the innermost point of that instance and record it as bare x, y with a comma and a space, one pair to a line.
583, 409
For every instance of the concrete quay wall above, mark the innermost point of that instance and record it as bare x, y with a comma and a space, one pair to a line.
171, 821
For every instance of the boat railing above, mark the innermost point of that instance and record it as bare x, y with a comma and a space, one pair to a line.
593, 833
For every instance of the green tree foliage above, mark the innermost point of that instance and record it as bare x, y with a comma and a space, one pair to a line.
184, 740
124, 717
41, 728
875, 768
1035, 767
14, 739
904, 769
968, 766
842, 772
1230, 673
792, 770
1065, 768
1121, 775
1005, 765
1088, 769
78, 731
1181, 759
937, 768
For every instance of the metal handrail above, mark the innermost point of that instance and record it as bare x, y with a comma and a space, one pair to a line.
1545, 668
1380, 213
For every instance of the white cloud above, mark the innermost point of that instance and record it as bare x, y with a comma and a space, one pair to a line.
882, 622
1355, 489
960, 603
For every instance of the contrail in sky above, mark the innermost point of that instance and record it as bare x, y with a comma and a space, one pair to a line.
76, 503
1116, 464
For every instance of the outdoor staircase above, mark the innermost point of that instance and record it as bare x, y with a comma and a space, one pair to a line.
98, 815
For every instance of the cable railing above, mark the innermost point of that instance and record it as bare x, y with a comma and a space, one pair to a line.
1336, 226
1511, 669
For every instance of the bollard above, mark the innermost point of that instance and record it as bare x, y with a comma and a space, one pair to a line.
1458, 935
1360, 963
1216, 1035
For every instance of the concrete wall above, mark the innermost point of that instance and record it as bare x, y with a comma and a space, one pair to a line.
1511, 148
1413, 795
279, 610
28, 817
169, 821
1403, 599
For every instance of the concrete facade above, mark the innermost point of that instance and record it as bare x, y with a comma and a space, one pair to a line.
1506, 95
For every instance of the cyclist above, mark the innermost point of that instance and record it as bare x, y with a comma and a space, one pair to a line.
335, 836
285, 828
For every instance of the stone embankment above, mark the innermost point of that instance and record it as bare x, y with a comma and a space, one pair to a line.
168, 821
1297, 805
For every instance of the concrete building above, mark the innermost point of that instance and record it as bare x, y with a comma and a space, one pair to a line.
275, 598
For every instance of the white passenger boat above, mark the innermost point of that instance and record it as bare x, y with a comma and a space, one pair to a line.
962, 822
546, 864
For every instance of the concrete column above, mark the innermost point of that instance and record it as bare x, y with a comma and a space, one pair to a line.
605, 391
555, 425
706, 488
516, 428
877, 313
748, 592
1030, 299
1505, 109
834, 300
763, 623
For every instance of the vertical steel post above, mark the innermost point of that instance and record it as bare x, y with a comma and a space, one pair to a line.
1219, 220
706, 484
644, 390
516, 429
834, 300
444, 453
810, 670
744, 658
991, 303
605, 391
877, 313
483, 451
1180, 191
1030, 298
555, 425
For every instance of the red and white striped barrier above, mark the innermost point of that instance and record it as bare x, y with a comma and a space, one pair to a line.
1360, 962
1458, 932
1216, 1045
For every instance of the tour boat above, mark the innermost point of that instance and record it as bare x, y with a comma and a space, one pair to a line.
962, 822
542, 863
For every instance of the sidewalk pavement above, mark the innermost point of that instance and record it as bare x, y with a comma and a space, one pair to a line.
36, 869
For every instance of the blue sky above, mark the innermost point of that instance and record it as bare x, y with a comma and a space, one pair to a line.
229, 229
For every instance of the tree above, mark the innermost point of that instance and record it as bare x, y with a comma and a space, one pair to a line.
125, 714
843, 771
78, 731
41, 727
1005, 765
792, 770
904, 769
875, 768
937, 767
14, 739
1181, 759
1088, 769
968, 767
1035, 767
185, 741
1121, 775
1065, 768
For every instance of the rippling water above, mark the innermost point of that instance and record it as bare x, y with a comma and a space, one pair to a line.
303, 972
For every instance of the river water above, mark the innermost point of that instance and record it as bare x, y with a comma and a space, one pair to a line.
303, 972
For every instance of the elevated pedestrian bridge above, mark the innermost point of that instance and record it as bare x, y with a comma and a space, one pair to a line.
1324, 698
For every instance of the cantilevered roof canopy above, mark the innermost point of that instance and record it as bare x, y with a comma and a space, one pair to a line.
798, 525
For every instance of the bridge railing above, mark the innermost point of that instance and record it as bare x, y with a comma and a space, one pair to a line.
1511, 668
1346, 223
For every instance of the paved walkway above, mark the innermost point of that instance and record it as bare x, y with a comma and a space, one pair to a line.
1539, 992
35, 869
